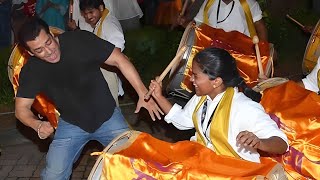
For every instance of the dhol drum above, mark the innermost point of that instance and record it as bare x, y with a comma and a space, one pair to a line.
177, 73
42, 105
269, 83
312, 51
138, 155
179, 78
119, 143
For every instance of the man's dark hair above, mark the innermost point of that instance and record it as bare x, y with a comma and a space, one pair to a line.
30, 30
87, 4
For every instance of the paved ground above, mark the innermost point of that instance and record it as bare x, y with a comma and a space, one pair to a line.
23, 154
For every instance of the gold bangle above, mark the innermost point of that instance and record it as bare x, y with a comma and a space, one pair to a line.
38, 130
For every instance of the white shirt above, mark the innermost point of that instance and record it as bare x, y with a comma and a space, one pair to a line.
111, 31
236, 20
245, 114
311, 80
125, 9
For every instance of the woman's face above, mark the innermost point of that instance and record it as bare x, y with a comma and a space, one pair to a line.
203, 85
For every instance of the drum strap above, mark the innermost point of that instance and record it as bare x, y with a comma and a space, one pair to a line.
249, 18
104, 15
246, 10
219, 127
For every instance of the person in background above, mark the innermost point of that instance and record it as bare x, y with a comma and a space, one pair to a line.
128, 12
52, 12
312, 81
21, 10
228, 15
107, 27
226, 120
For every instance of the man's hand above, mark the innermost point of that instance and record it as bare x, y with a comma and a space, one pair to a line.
72, 24
45, 130
151, 106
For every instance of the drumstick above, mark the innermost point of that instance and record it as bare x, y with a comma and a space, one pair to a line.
174, 61
184, 7
185, 4
301, 25
70, 10
255, 41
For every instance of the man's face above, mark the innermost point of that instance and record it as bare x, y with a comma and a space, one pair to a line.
92, 15
45, 47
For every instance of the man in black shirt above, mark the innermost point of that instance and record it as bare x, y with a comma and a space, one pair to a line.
67, 69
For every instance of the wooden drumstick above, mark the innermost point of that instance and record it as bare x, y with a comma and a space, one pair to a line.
301, 25
180, 14
70, 10
174, 61
255, 41
184, 7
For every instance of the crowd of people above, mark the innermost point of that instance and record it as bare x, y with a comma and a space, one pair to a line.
73, 70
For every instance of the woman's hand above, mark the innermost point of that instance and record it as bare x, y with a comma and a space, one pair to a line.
248, 139
156, 88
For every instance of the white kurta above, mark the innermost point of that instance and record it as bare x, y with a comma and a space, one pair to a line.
111, 31
245, 115
311, 80
125, 9
236, 20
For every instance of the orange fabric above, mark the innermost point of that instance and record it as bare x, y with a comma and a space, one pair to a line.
41, 103
298, 111
167, 12
239, 46
150, 158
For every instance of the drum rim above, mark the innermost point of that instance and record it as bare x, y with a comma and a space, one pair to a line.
304, 69
130, 133
11, 65
258, 88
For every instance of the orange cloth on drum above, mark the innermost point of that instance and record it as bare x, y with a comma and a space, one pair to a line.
298, 111
237, 44
41, 103
167, 12
150, 158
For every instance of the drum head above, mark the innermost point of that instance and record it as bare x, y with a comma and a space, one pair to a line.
269, 83
186, 39
312, 51
119, 143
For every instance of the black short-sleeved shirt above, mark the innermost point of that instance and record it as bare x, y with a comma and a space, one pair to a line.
75, 84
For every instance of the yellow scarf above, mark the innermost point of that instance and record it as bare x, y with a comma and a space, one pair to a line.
246, 10
104, 15
219, 126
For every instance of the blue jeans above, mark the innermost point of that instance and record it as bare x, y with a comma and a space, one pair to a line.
69, 141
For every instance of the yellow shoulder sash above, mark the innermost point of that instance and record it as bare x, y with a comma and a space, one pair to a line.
219, 127
104, 15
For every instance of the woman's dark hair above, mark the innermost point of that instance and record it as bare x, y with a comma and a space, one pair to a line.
216, 62
30, 30
87, 4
